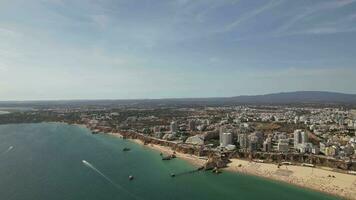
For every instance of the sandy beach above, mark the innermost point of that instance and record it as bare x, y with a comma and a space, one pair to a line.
323, 180
343, 185
168, 151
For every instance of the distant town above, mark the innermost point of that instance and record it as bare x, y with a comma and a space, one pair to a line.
284, 134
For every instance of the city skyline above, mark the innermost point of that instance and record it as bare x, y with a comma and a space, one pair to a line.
57, 49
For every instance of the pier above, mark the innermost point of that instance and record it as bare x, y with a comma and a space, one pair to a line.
187, 172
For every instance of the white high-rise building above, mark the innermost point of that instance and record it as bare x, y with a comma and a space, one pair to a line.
267, 145
304, 137
259, 136
174, 127
225, 139
243, 140
252, 143
297, 137
300, 137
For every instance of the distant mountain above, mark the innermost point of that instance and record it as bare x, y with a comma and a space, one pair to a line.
300, 97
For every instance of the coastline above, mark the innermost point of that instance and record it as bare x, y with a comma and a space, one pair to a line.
166, 150
194, 160
317, 179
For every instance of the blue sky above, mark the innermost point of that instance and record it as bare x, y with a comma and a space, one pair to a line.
102, 49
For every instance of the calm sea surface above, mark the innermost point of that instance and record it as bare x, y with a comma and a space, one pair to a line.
45, 162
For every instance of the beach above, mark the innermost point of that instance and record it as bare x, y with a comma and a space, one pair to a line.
196, 161
320, 179
168, 151
324, 180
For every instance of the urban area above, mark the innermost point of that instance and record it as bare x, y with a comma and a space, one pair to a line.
308, 136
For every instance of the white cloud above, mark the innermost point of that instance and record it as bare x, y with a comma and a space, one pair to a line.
252, 14
329, 27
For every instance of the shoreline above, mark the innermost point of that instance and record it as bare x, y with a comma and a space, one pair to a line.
315, 179
194, 160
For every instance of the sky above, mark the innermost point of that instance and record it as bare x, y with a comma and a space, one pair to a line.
128, 49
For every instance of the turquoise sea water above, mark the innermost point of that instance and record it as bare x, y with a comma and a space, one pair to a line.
45, 162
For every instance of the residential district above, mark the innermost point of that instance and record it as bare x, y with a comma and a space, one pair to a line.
309, 136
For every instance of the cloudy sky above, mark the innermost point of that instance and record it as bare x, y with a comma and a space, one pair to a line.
110, 49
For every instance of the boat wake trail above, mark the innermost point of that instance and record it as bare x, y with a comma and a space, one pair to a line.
100, 173
89, 165
7, 151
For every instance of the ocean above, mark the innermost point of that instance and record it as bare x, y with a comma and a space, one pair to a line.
50, 161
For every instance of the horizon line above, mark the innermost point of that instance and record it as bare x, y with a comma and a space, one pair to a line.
169, 98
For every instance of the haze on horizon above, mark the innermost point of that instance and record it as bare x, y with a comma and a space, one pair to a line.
127, 49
